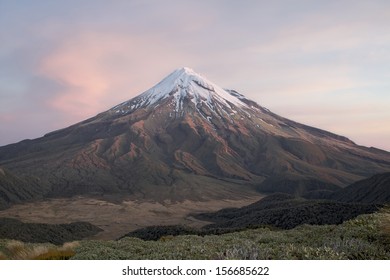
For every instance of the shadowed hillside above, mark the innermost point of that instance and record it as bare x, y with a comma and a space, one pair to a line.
14, 189
375, 189
41, 233
286, 212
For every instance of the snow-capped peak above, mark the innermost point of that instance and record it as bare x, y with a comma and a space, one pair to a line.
184, 83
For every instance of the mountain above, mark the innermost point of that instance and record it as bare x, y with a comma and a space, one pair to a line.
187, 138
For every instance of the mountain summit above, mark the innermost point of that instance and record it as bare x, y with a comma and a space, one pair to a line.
181, 85
185, 138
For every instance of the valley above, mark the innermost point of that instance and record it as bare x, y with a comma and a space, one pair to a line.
117, 218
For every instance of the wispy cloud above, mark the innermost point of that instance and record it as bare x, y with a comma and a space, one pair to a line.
98, 70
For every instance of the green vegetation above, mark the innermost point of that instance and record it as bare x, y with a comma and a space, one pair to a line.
360, 238
365, 237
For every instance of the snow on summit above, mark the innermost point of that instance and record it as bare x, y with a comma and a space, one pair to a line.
183, 83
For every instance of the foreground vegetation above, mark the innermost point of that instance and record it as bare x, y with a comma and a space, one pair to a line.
17, 250
365, 237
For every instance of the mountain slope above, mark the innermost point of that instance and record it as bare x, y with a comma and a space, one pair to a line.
187, 138
14, 189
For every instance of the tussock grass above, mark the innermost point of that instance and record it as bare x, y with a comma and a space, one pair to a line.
2, 256
55, 254
17, 250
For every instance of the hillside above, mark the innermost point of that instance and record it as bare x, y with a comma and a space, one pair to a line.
375, 189
42, 233
286, 212
14, 189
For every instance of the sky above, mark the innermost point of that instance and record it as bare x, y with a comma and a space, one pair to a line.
321, 63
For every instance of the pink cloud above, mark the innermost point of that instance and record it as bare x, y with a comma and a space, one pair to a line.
6, 117
101, 70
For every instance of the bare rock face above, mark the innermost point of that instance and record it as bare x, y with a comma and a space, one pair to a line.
187, 138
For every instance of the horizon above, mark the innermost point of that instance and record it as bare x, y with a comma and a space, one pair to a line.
313, 63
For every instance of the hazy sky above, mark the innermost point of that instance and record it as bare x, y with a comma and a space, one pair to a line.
322, 63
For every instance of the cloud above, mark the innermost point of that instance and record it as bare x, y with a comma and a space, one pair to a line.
329, 30
6, 117
98, 70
